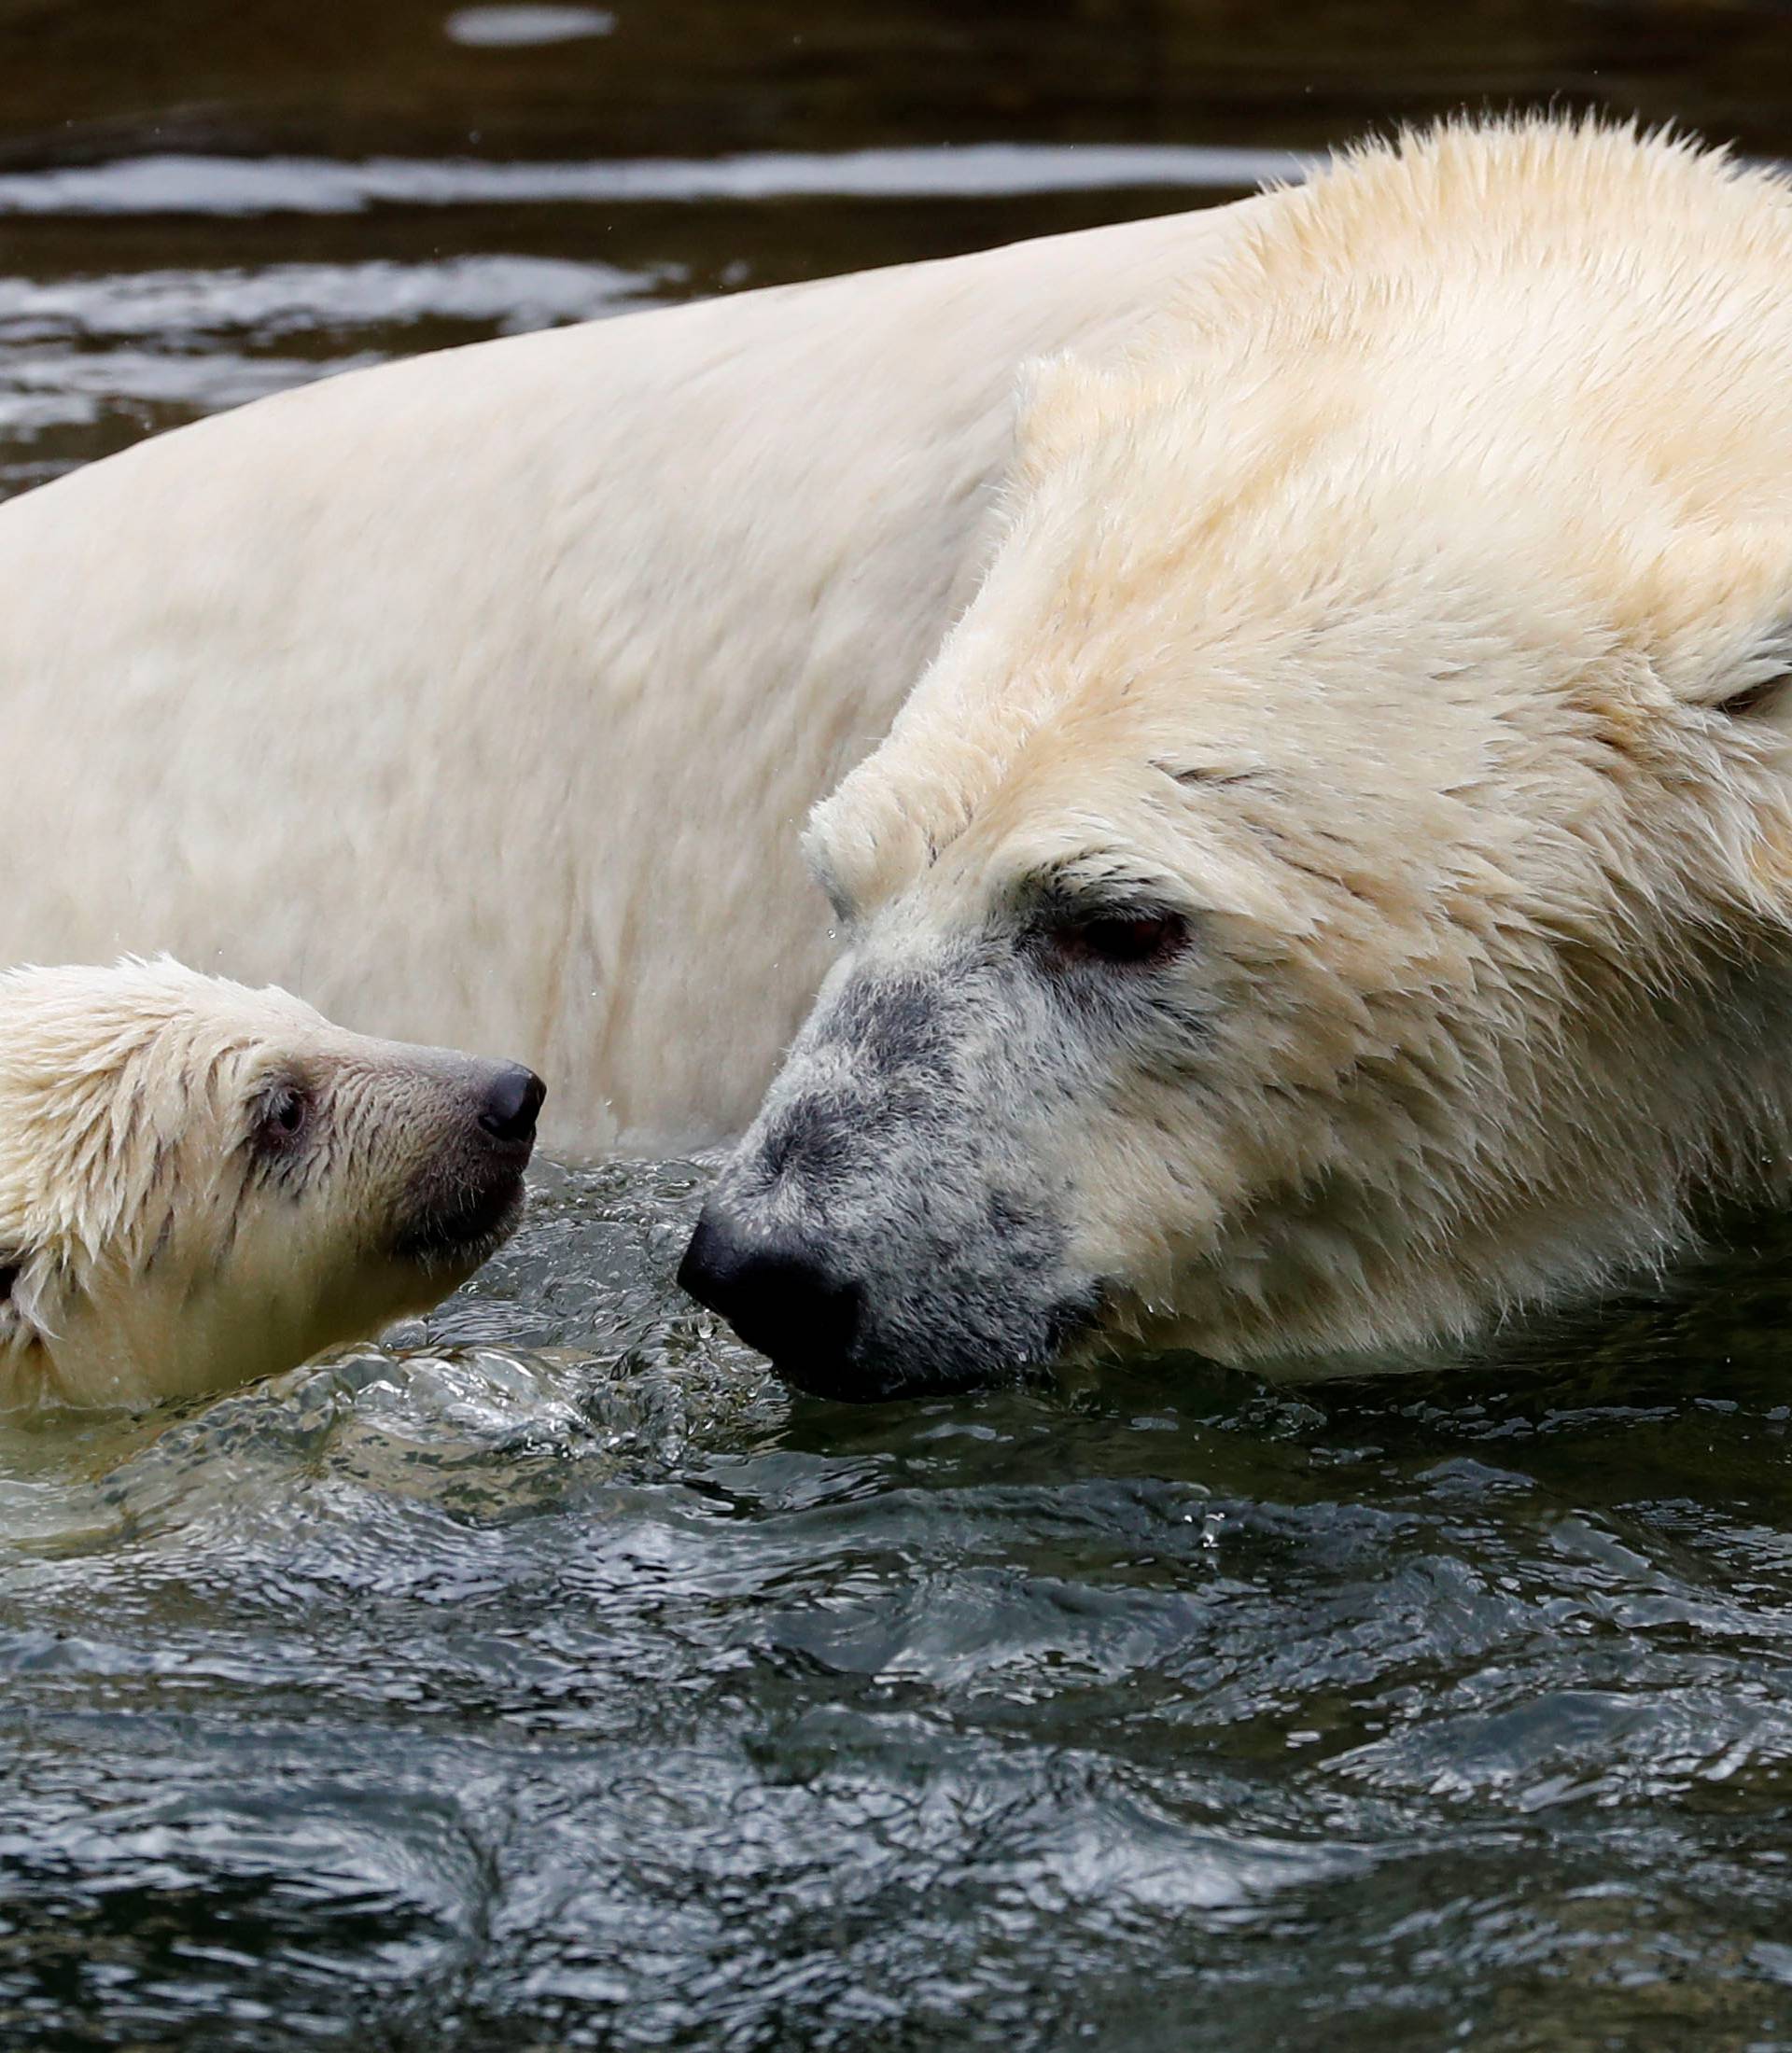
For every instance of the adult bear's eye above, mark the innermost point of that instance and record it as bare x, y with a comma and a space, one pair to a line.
285, 1114
1121, 941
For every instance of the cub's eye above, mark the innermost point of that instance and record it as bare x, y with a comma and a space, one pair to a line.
1121, 942
285, 1114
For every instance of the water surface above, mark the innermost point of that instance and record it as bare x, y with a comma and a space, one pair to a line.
552, 1677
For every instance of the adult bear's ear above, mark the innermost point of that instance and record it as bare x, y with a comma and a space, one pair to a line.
14, 1327
1714, 615
1064, 403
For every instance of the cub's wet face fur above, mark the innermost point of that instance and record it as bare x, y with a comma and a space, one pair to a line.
1335, 883
201, 1183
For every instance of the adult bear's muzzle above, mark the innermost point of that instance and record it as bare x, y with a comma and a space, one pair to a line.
883, 1229
817, 1325
780, 1296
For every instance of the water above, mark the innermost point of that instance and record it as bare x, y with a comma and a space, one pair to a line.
552, 1677
549, 1676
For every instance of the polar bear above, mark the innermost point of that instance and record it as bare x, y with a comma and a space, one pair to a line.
201, 1183
1335, 883
482, 696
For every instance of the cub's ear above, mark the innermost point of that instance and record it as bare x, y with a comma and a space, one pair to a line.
1766, 698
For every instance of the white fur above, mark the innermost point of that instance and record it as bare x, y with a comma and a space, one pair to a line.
150, 1249
1384, 610
484, 695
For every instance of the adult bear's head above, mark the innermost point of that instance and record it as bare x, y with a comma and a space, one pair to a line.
1333, 885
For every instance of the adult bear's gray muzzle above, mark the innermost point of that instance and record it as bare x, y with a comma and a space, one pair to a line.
779, 1295
886, 1228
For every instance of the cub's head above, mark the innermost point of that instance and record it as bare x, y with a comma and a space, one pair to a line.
201, 1183
1335, 883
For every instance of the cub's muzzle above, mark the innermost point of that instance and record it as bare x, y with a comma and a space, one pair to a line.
471, 1196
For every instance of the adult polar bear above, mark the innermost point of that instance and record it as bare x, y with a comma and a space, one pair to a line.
1335, 882
481, 697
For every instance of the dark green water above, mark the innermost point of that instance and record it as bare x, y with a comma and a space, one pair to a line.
551, 1678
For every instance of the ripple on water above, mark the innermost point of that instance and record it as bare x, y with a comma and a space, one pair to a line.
590, 1687
98, 360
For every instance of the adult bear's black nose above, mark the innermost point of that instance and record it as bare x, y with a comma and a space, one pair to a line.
776, 1293
512, 1098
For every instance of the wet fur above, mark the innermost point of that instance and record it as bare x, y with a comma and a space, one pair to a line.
1406, 607
152, 1246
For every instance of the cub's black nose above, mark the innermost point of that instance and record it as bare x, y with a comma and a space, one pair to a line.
777, 1295
512, 1098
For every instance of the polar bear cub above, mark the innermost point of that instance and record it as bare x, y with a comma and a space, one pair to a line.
201, 1183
